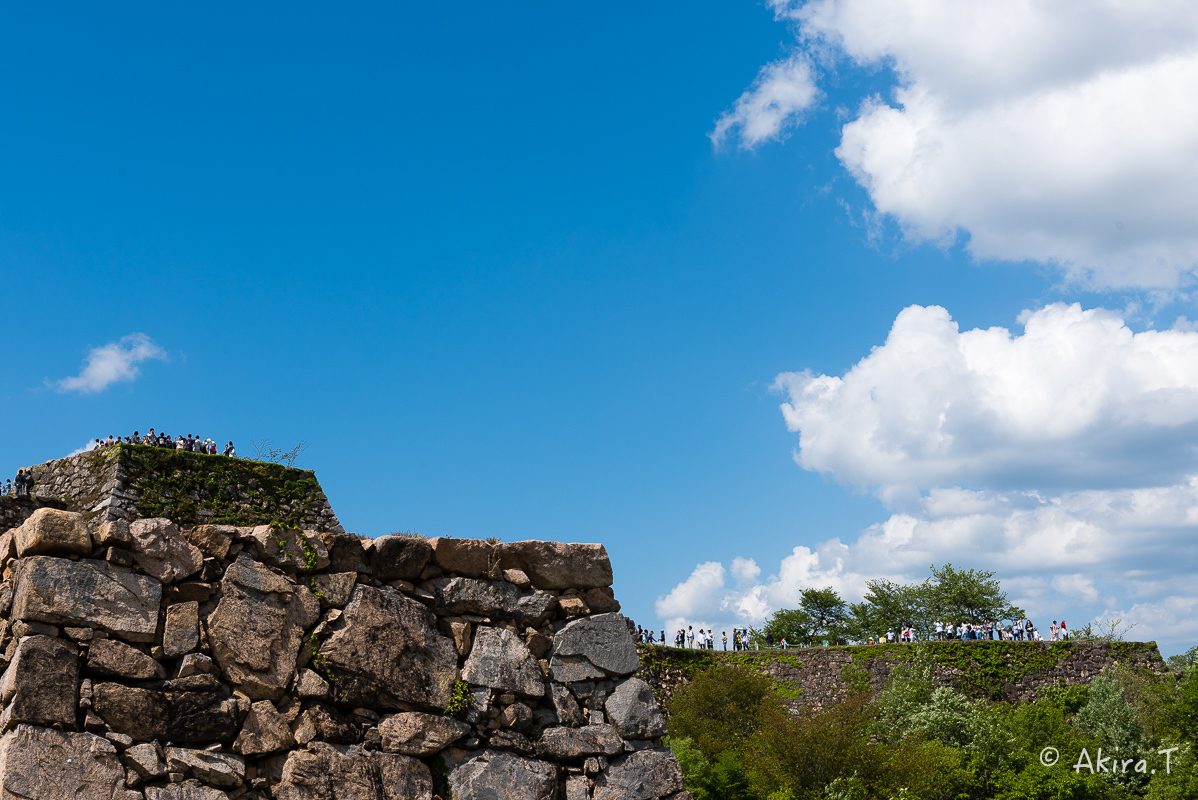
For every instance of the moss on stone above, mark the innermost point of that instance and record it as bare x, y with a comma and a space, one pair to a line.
229, 491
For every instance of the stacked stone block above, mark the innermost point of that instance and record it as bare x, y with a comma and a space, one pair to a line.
144, 660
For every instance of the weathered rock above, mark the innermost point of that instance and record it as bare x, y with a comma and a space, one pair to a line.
500, 660
188, 790
556, 565
45, 764
571, 744
41, 685
566, 707
471, 558
87, 593
572, 669
517, 716
321, 722
199, 716
533, 608
195, 664
109, 657
181, 633
644, 775
474, 596
335, 590
389, 654
290, 548
518, 577
218, 769
602, 641
51, 532
463, 639
502, 776
258, 627
398, 557
416, 734
160, 550
601, 600
113, 533
347, 552
578, 788
572, 607
144, 760
212, 540
310, 685
327, 773
265, 730
633, 711
511, 740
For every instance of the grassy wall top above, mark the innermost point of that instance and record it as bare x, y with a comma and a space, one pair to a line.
980, 669
193, 488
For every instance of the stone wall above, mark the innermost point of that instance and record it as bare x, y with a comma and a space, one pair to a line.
132, 481
147, 660
821, 676
15, 510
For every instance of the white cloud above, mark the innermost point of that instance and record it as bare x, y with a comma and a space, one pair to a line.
782, 91
1064, 458
113, 363
745, 570
1062, 133
1077, 401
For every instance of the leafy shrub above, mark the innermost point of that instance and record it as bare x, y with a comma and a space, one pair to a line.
722, 709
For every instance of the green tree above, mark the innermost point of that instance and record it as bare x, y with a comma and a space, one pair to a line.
887, 606
721, 708
821, 616
967, 596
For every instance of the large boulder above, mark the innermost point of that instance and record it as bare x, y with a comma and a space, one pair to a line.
496, 775
218, 769
196, 710
188, 790
472, 558
499, 660
413, 733
643, 775
557, 565
571, 744
87, 594
291, 549
110, 658
50, 532
161, 550
45, 764
594, 647
399, 557
265, 730
181, 633
326, 773
347, 552
213, 540
389, 655
485, 598
633, 711
41, 686
258, 627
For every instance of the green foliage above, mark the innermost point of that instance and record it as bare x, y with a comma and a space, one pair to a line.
723, 778
1183, 660
460, 699
721, 708
1113, 722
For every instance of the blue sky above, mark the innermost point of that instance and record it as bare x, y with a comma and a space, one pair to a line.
490, 265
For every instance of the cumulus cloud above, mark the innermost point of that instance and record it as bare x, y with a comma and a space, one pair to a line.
1062, 133
782, 91
1064, 458
113, 363
1077, 400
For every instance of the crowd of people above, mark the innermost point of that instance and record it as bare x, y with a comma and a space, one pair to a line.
688, 638
190, 443
1019, 630
21, 486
